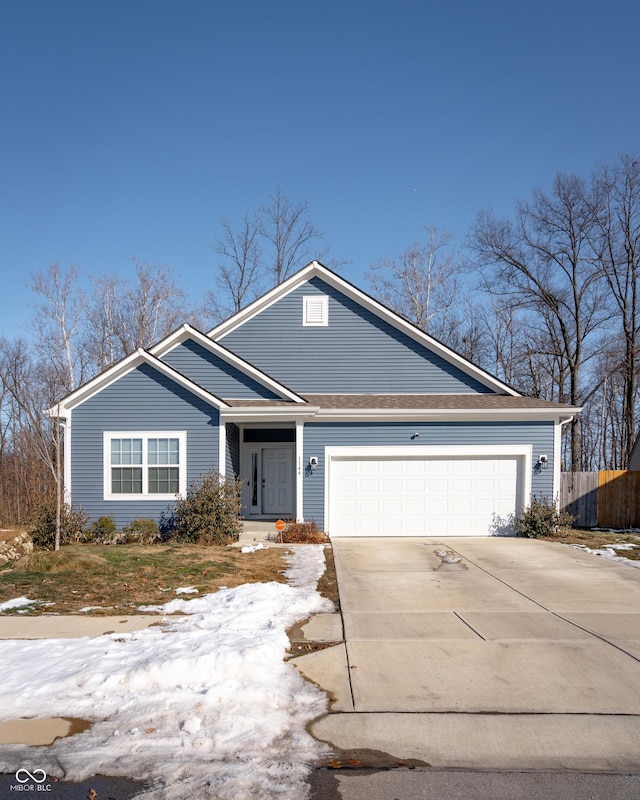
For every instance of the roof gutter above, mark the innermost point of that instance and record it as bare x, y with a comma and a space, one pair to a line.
414, 414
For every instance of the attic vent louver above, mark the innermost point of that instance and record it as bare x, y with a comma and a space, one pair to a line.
315, 310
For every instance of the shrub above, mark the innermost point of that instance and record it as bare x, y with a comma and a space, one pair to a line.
541, 519
142, 531
42, 526
300, 533
209, 514
104, 531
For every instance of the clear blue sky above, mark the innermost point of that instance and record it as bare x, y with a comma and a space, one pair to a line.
131, 127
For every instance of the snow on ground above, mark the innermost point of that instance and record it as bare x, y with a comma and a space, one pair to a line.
17, 602
203, 706
610, 551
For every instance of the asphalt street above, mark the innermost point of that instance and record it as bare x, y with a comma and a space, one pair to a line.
98, 788
396, 784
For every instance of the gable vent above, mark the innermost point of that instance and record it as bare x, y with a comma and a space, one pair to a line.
315, 310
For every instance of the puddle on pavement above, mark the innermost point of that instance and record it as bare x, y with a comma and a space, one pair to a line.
40, 731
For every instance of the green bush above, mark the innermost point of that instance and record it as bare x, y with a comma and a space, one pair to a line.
541, 519
42, 526
103, 531
209, 514
141, 531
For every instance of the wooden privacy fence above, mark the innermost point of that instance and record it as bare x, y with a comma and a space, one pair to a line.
608, 499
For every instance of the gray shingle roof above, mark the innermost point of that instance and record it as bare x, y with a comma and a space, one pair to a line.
456, 402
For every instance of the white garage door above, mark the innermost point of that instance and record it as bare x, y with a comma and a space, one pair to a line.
422, 496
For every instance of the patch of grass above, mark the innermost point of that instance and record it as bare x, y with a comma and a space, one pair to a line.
328, 583
121, 578
597, 539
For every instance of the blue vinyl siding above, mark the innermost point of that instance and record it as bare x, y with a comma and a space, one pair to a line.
214, 374
317, 436
356, 353
142, 400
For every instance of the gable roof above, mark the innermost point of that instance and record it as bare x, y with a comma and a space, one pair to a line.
188, 332
315, 269
117, 371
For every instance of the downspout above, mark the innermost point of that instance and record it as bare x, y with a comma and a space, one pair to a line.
66, 453
299, 479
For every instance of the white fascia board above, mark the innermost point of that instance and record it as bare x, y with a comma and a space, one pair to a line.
430, 415
427, 451
416, 334
314, 269
187, 332
268, 299
96, 384
189, 385
262, 414
171, 340
125, 366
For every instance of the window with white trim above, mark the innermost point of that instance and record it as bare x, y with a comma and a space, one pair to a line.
148, 464
315, 310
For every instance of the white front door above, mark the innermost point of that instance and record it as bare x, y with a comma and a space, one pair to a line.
277, 480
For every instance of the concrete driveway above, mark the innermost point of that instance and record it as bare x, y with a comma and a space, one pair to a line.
483, 652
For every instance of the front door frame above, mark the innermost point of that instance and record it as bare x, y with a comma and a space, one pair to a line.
251, 473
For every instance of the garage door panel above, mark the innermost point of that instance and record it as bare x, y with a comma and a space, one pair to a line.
423, 496
391, 505
391, 486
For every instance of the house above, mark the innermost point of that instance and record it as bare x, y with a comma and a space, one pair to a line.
634, 455
328, 406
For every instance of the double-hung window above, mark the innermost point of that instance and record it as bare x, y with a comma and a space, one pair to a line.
150, 464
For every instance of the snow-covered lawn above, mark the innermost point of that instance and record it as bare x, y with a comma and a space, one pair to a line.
202, 707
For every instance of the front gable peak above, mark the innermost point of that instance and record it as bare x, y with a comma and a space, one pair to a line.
188, 334
318, 290
128, 364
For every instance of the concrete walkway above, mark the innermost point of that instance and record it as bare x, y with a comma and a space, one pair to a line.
519, 655
71, 626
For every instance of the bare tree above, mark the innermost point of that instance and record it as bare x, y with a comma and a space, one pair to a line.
57, 322
290, 237
262, 252
421, 285
240, 273
123, 316
150, 308
61, 367
616, 209
34, 385
102, 323
544, 260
